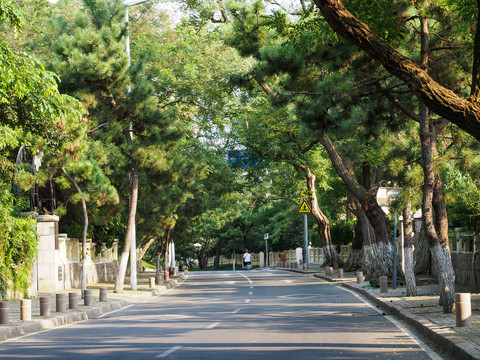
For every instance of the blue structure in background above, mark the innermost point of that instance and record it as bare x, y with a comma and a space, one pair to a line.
241, 159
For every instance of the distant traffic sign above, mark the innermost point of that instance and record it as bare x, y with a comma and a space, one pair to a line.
304, 208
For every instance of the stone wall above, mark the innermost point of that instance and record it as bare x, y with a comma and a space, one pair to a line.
464, 271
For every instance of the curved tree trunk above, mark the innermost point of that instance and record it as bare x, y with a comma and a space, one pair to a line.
378, 255
145, 249
331, 255
465, 113
122, 268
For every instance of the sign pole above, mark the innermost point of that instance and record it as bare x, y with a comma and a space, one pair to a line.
305, 231
305, 209
266, 250
394, 280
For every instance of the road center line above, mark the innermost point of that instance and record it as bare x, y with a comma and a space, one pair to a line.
211, 326
168, 352
235, 311
250, 293
246, 277
247, 301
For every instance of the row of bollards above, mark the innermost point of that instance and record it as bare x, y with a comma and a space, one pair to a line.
463, 306
60, 304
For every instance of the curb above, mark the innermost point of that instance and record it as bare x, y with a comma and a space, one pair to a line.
12, 331
8, 331
443, 337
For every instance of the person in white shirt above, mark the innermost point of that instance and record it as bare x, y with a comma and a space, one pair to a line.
247, 260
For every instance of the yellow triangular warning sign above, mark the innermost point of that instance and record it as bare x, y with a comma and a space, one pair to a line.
304, 208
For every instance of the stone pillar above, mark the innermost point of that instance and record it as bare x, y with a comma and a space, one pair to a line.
383, 284
151, 282
463, 309
26, 309
88, 297
158, 278
44, 305
61, 302
49, 279
4, 312
359, 277
73, 300
340, 273
102, 294
175, 271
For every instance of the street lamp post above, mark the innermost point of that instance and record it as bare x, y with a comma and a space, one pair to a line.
133, 246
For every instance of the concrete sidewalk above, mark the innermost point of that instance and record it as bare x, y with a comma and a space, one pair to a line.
422, 312
17, 327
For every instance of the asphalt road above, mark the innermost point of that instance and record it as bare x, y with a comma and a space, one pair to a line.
231, 315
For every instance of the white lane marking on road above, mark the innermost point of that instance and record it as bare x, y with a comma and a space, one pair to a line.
247, 301
299, 296
246, 277
114, 311
231, 282
169, 351
250, 293
251, 287
288, 281
211, 326
433, 355
235, 311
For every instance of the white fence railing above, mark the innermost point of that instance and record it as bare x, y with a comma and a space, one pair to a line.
70, 251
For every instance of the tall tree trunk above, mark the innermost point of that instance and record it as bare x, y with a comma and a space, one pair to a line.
122, 268
167, 252
433, 207
378, 255
84, 232
360, 232
218, 253
408, 263
355, 259
331, 255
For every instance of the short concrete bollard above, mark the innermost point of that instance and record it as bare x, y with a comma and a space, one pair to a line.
463, 309
73, 300
4, 312
26, 309
88, 297
359, 277
340, 273
175, 271
383, 284
102, 294
158, 278
44, 305
61, 302
151, 282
